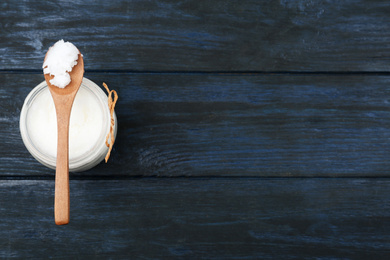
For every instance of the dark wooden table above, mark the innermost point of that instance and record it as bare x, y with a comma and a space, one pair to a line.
247, 130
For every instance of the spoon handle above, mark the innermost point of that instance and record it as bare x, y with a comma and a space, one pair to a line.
61, 196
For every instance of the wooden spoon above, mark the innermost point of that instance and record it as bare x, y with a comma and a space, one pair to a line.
63, 100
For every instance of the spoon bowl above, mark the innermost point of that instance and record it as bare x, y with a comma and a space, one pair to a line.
63, 101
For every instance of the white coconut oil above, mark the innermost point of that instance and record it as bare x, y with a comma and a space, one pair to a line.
89, 126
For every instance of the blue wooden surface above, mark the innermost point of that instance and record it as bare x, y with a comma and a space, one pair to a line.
189, 35
247, 130
205, 218
230, 125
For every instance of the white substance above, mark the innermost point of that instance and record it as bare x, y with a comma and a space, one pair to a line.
85, 123
60, 60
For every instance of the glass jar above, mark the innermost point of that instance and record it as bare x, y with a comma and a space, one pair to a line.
89, 125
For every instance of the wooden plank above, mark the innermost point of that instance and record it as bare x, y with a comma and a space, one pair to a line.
228, 125
206, 218
157, 35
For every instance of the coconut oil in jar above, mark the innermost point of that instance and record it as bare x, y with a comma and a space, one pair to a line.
89, 125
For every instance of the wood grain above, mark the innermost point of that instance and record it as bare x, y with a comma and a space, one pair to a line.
189, 35
229, 125
197, 100
239, 218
